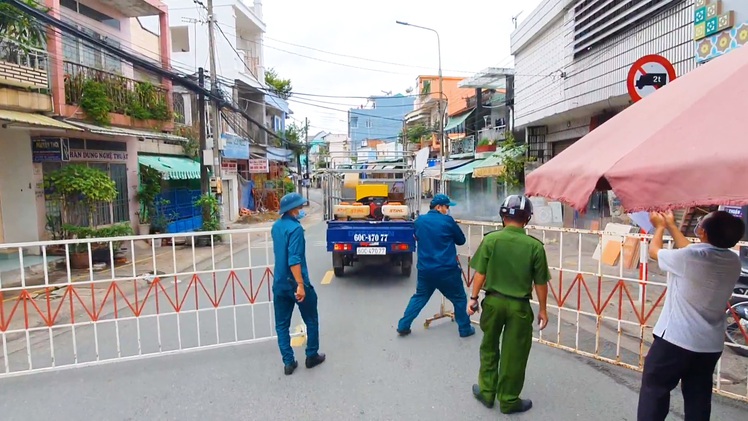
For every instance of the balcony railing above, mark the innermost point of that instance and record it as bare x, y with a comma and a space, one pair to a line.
23, 66
140, 100
493, 133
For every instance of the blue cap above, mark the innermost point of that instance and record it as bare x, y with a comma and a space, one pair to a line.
442, 199
291, 201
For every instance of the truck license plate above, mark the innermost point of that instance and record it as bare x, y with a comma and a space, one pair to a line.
371, 250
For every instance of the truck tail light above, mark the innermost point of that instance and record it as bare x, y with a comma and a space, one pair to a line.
400, 247
342, 247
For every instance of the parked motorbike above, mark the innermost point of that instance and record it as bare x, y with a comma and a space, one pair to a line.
737, 315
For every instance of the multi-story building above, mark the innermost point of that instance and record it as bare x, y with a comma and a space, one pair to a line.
109, 107
572, 58
338, 149
380, 119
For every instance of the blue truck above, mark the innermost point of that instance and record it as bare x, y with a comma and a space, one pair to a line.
370, 216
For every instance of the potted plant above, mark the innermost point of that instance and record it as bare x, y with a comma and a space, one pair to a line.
150, 188
485, 145
100, 252
211, 208
75, 185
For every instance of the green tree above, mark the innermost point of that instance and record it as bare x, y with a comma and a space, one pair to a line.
414, 134
26, 32
281, 87
513, 159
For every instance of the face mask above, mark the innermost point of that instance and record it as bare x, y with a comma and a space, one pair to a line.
301, 215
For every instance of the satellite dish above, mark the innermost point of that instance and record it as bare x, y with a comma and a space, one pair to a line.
409, 90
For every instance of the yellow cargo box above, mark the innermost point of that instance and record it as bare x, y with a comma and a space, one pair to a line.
372, 190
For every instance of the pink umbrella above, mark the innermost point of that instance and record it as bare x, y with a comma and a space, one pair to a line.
685, 145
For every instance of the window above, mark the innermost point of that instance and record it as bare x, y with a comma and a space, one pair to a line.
91, 13
368, 124
105, 213
354, 122
78, 51
277, 124
180, 39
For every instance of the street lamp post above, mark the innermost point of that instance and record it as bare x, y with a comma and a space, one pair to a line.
441, 92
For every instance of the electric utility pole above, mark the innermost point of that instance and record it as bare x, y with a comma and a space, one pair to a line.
216, 111
306, 139
204, 176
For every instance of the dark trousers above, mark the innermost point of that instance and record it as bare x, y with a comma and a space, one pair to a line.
450, 284
284, 302
667, 364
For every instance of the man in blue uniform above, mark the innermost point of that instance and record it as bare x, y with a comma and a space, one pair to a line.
291, 285
438, 236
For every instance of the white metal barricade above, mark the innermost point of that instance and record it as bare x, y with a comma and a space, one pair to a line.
605, 297
134, 297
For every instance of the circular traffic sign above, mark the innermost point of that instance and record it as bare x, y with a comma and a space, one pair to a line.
649, 74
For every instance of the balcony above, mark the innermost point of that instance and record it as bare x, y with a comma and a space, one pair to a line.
106, 98
24, 84
497, 134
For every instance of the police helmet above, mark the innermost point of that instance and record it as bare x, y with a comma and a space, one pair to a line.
516, 207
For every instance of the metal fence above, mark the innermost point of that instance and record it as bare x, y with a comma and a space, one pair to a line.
605, 310
81, 302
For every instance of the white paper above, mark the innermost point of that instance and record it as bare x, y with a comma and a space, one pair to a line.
642, 220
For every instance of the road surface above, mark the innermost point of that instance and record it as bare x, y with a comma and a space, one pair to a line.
370, 374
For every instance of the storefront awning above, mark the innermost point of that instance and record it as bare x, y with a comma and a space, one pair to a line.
457, 120
278, 154
490, 167
460, 174
172, 167
119, 131
433, 172
35, 120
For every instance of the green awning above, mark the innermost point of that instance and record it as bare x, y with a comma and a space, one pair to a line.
172, 167
490, 167
457, 120
459, 174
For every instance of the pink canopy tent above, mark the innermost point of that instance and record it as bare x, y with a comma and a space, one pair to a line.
684, 145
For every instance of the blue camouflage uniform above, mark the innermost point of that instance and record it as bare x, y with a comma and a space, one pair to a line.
438, 236
289, 248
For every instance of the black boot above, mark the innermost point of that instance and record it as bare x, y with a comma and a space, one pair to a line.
480, 398
524, 405
312, 362
404, 332
289, 369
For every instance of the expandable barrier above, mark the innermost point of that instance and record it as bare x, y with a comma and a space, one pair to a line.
135, 297
605, 297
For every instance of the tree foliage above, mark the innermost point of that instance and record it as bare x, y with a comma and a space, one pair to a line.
281, 87
513, 159
77, 182
414, 134
22, 28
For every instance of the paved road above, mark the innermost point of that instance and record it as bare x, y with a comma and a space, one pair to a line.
371, 374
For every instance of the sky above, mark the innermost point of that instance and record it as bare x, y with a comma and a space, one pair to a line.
341, 46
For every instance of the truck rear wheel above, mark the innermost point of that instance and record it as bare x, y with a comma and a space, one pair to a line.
406, 266
338, 265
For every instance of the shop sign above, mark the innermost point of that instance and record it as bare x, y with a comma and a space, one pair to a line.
50, 150
91, 155
228, 166
735, 211
234, 147
258, 166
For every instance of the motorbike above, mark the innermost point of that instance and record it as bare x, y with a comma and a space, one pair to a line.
737, 315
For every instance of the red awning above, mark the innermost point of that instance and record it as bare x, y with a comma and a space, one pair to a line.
683, 146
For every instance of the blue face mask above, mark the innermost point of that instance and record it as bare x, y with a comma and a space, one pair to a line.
301, 215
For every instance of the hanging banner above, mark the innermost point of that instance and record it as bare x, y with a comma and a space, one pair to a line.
258, 166
234, 147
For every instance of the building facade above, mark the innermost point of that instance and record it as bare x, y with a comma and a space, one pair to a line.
381, 119
572, 59
103, 110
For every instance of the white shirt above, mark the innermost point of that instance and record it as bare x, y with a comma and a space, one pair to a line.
702, 278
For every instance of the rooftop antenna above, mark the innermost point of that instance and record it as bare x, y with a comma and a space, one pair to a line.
388, 93
514, 18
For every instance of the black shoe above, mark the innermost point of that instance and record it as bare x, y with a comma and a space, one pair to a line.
289, 369
312, 362
403, 332
480, 398
524, 406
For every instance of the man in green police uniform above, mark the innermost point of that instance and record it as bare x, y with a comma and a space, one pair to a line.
507, 264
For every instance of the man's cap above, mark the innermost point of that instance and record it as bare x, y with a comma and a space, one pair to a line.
442, 200
291, 201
